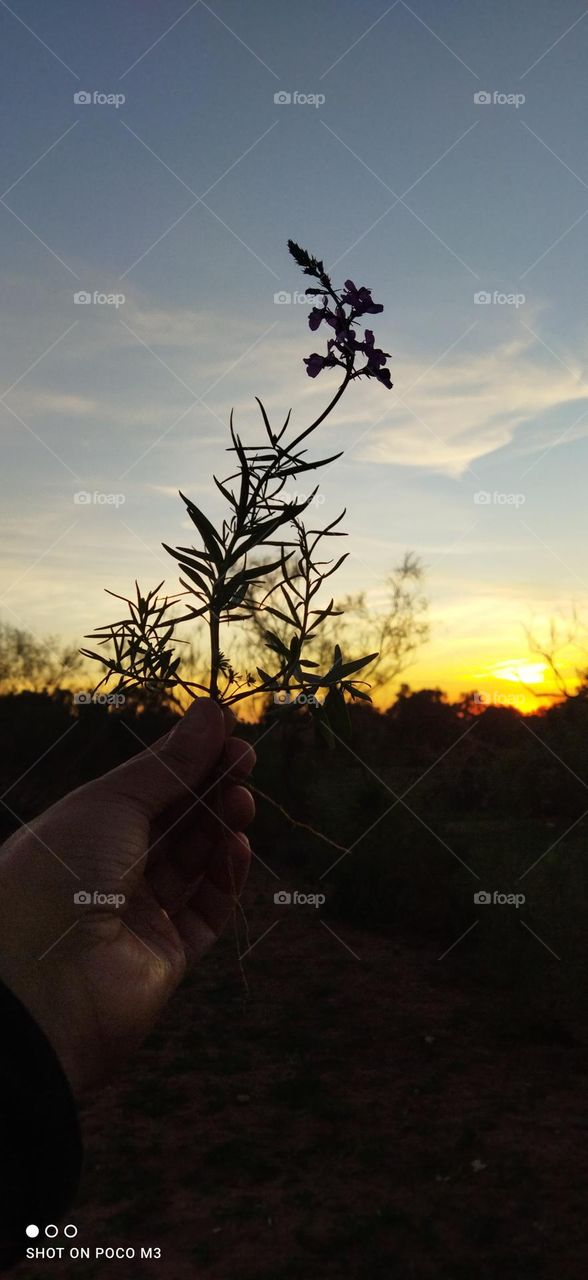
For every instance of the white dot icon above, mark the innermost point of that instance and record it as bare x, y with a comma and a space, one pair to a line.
32, 1230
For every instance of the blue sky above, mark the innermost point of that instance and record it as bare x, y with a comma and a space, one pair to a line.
182, 197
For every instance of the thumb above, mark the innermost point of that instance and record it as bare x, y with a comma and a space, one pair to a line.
176, 765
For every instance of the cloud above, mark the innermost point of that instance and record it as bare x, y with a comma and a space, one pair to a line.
468, 407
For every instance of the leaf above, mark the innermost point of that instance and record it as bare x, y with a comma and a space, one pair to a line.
271, 681
206, 530
195, 577
270, 433
321, 614
313, 466
230, 497
321, 682
244, 491
338, 714
187, 555
355, 692
289, 602
195, 551
264, 531
324, 731
278, 614
239, 595
285, 426
348, 668
245, 576
193, 613
273, 642
338, 564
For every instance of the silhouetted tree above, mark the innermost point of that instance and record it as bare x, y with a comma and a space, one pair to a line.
30, 662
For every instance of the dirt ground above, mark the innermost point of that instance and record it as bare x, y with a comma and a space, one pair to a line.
357, 1114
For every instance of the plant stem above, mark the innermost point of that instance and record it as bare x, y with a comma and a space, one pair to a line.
305, 826
214, 654
325, 413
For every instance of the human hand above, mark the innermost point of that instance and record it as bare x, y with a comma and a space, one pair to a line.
96, 975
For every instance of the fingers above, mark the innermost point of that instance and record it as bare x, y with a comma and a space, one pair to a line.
176, 766
229, 811
191, 811
202, 919
187, 858
239, 757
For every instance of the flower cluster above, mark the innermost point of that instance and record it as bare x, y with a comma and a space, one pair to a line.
341, 312
260, 558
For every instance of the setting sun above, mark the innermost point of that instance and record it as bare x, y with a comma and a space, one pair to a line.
520, 672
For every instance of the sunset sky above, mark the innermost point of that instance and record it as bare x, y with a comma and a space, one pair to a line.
182, 198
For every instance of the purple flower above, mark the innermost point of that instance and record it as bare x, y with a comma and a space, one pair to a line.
316, 317
360, 300
315, 363
376, 359
343, 347
383, 375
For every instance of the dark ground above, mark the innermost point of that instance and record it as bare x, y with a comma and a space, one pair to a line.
368, 1110
359, 1114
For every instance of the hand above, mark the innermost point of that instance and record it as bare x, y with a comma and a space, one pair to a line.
159, 830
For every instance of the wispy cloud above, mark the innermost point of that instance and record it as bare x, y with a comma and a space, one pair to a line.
473, 405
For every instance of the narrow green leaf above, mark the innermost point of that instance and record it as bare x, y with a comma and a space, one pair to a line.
230, 497
348, 668
206, 530
338, 714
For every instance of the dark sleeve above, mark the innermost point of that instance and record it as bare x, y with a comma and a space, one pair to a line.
40, 1143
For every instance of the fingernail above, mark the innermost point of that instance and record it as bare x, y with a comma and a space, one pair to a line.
201, 714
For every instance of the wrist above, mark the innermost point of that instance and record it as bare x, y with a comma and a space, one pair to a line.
43, 1001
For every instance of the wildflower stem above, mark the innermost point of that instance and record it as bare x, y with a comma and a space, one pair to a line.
294, 822
327, 411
